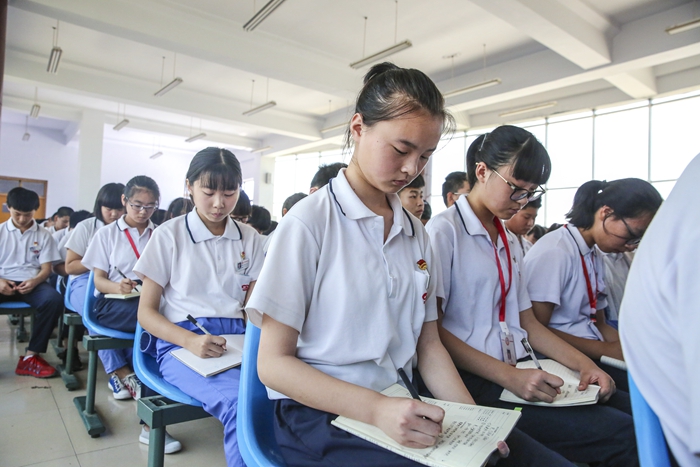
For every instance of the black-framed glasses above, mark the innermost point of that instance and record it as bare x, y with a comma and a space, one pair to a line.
632, 240
141, 207
521, 193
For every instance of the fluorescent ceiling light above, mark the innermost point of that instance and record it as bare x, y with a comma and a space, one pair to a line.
531, 108
195, 137
156, 155
260, 108
473, 87
120, 125
262, 14
26, 136
334, 127
168, 87
34, 113
381, 54
688, 25
54, 59
261, 149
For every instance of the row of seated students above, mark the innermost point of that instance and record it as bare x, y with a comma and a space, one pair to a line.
353, 288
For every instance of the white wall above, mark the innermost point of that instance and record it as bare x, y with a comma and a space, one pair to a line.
43, 157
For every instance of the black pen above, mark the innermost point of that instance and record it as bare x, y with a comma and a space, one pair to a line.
201, 328
529, 350
124, 276
409, 385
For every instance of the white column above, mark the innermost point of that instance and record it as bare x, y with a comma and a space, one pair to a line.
90, 157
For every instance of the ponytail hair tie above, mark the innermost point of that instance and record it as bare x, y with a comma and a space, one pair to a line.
603, 185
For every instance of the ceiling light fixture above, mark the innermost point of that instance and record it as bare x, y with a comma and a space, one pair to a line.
26, 135
34, 113
175, 82
196, 137
262, 14
683, 27
56, 52
120, 125
531, 108
260, 108
156, 155
474, 87
261, 149
396, 48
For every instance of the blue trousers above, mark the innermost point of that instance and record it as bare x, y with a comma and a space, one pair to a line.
601, 434
619, 376
218, 393
48, 305
119, 315
77, 292
307, 438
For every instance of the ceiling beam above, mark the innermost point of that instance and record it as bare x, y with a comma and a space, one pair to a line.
636, 83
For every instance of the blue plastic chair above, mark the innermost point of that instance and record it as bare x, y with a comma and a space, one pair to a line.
651, 443
90, 320
256, 437
71, 319
22, 309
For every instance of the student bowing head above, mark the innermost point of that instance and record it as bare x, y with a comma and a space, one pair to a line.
108, 204
614, 215
506, 169
140, 199
399, 118
213, 181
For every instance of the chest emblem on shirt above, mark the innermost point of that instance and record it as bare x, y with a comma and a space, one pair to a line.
242, 254
422, 265
34, 249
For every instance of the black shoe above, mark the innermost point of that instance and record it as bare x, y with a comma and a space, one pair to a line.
13, 319
77, 363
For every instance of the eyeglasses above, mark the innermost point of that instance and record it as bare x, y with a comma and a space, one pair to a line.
242, 219
632, 240
140, 207
521, 193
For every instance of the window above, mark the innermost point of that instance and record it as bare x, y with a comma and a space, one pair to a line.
674, 137
570, 146
622, 145
450, 157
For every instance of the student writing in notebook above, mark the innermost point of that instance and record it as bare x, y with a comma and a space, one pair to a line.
566, 274
204, 264
485, 309
347, 294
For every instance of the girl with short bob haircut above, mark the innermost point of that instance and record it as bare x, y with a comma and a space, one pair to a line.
178, 207
566, 273
485, 312
347, 295
204, 264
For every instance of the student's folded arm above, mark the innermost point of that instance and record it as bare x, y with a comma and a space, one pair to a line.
550, 343
609, 333
60, 269
409, 422
73, 263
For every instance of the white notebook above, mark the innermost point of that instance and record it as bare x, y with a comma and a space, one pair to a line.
470, 433
212, 366
123, 296
570, 395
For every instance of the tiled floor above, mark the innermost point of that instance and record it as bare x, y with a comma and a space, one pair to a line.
40, 426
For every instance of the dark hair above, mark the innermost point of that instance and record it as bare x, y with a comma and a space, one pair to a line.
325, 173
510, 144
427, 212
628, 198
453, 182
22, 200
273, 226
215, 168
158, 216
109, 196
259, 218
554, 227
178, 207
77, 217
391, 92
142, 183
63, 211
418, 182
292, 200
537, 231
243, 207
536, 203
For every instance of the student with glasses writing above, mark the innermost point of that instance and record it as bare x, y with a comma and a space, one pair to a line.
565, 269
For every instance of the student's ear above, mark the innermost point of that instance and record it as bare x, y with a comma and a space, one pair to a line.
356, 125
481, 172
604, 211
189, 187
123, 200
284, 212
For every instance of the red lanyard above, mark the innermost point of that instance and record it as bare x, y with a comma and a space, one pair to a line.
501, 277
592, 297
133, 245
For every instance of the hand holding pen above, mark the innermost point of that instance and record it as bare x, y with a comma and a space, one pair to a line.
206, 345
134, 286
552, 381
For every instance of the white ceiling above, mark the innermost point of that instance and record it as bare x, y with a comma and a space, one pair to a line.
582, 53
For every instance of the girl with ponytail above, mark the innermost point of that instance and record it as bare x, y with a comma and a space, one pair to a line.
565, 272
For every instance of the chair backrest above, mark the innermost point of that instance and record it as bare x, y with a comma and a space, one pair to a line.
147, 369
651, 443
89, 319
66, 296
256, 438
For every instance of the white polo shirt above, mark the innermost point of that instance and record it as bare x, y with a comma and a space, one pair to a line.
22, 254
471, 288
82, 234
358, 302
660, 317
111, 248
555, 274
61, 238
204, 275
617, 268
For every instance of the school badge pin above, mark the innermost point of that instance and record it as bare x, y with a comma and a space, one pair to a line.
422, 265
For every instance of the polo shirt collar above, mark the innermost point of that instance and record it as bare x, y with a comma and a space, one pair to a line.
199, 232
469, 218
11, 226
122, 225
352, 207
578, 238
